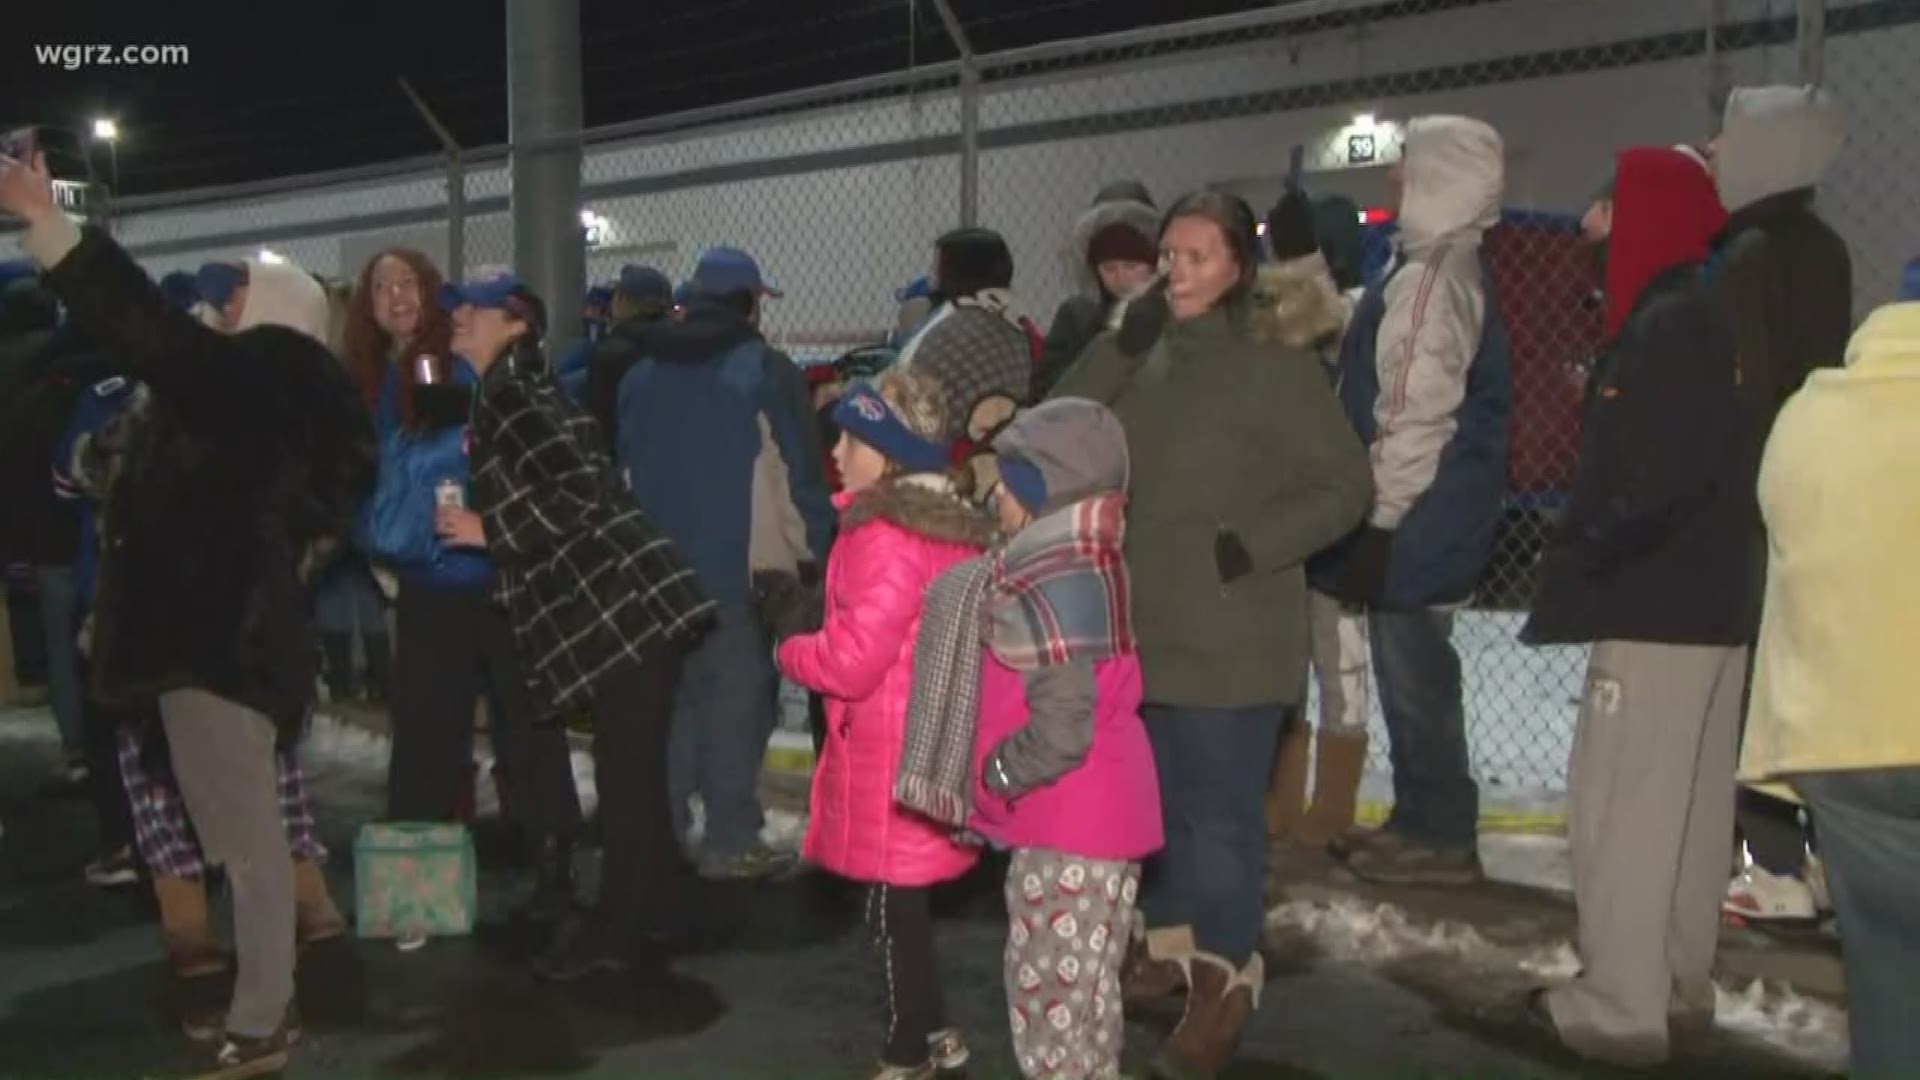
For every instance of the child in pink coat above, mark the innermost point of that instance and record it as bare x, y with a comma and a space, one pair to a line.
1062, 772
902, 526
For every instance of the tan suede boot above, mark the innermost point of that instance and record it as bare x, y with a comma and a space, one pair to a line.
187, 927
1218, 1004
1339, 759
1156, 965
1287, 791
315, 918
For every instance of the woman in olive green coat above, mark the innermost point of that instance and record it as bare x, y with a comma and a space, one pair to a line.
1243, 466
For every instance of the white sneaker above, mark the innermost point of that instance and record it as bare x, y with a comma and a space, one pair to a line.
1759, 896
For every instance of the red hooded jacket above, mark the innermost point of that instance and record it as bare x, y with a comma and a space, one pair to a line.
1666, 212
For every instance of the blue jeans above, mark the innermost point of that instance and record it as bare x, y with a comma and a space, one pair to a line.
723, 716
1435, 801
1213, 765
1868, 822
59, 616
347, 598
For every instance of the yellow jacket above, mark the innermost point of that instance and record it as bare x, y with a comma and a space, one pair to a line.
1836, 673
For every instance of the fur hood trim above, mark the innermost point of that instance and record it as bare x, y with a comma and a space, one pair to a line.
925, 506
1296, 304
1137, 216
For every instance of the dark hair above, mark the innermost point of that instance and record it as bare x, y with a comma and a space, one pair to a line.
1238, 226
367, 345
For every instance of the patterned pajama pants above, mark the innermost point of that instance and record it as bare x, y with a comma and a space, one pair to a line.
164, 833
1069, 921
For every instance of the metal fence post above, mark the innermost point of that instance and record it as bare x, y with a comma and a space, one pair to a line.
456, 186
1812, 40
544, 114
969, 116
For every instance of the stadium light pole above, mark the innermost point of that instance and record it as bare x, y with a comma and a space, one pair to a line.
107, 131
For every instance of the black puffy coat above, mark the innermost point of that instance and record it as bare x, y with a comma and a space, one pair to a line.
249, 463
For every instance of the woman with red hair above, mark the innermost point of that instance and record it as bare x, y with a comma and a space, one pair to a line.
453, 643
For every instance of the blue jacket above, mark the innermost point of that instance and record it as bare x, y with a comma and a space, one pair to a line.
396, 529
685, 431
1441, 547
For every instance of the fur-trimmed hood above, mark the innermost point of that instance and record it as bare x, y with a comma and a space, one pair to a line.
1138, 216
924, 505
1296, 303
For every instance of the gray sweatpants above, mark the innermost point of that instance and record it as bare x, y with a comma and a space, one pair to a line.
1651, 808
223, 758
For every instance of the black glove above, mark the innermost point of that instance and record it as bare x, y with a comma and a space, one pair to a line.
1144, 319
441, 405
1231, 560
1363, 577
787, 608
1290, 226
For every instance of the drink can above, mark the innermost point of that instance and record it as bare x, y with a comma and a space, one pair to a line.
449, 495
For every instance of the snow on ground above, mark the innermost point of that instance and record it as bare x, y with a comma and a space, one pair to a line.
1378, 934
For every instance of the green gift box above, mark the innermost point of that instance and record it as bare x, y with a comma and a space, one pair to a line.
414, 879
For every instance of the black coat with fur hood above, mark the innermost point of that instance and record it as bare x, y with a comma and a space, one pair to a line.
251, 459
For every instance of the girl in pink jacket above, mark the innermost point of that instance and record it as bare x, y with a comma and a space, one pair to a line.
1061, 770
902, 526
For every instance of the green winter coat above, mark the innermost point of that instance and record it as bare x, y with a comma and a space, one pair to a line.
1232, 435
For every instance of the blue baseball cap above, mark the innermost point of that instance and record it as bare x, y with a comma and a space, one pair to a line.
723, 271
503, 292
644, 283
216, 282
180, 289
919, 287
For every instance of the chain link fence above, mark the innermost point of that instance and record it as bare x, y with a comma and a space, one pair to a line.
840, 192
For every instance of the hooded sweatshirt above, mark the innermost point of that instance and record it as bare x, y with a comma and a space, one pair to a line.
1425, 373
1080, 318
1783, 275
1656, 543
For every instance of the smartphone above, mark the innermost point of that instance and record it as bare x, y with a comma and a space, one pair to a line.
19, 145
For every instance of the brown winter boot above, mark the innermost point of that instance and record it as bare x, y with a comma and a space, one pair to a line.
1218, 1005
1156, 965
315, 918
1287, 792
184, 922
1339, 759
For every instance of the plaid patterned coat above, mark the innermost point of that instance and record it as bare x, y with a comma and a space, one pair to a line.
587, 581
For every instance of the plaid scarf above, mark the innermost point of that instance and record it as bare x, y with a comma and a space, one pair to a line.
936, 765
1058, 593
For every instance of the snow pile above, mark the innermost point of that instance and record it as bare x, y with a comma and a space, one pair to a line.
1377, 934
1774, 1014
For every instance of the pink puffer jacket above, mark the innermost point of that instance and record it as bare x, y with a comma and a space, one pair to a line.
895, 540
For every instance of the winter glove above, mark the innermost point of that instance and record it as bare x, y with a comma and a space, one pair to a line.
1290, 226
1363, 577
1143, 320
993, 774
1231, 560
441, 405
787, 608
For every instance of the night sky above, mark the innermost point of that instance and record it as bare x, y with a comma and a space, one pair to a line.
277, 89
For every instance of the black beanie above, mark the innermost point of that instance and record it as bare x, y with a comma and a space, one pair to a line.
971, 261
1120, 242
1290, 226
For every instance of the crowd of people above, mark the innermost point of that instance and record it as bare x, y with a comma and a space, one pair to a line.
1056, 596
